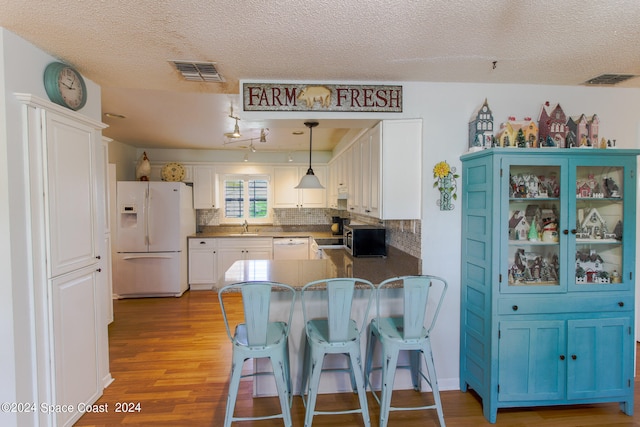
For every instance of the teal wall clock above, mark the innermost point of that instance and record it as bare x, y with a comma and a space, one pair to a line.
65, 86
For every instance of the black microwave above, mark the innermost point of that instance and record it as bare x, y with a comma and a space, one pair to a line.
365, 240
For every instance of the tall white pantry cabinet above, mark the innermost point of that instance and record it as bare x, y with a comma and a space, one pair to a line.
64, 161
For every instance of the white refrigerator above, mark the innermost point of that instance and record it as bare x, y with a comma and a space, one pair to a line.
153, 220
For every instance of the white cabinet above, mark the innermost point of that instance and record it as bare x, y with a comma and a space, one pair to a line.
77, 357
285, 195
204, 187
231, 250
68, 229
203, 259
386, 171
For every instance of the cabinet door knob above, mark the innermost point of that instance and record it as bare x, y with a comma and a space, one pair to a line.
203, 243
574, 231
562, 357
565, 231
621, 304
98, 257
574, 357
514, 308
99, 270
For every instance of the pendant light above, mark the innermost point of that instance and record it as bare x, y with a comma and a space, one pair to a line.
310, 180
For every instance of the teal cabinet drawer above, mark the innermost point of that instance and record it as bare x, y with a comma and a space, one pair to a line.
566, 304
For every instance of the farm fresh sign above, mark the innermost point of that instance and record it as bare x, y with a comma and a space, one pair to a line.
321, 97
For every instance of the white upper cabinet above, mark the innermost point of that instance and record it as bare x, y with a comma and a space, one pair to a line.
383, 172
204, 187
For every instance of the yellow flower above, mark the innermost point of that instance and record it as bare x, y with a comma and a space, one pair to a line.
441, 169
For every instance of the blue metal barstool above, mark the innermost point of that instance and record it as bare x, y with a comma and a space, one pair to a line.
333, 331
411, 332
259, 337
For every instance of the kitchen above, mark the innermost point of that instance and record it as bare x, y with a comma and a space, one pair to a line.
444, 108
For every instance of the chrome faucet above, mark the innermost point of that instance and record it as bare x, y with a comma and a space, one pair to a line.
245, 226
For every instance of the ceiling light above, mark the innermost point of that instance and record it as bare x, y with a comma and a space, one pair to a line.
246, 157
251, 147
310, 180
290, 158
114, 116
236, 130
263, 134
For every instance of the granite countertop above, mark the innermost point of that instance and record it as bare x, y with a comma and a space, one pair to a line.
338, 263
250, 234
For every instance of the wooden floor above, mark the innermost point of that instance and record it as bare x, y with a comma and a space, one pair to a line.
172, 356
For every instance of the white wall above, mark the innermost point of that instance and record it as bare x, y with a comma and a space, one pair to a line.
22, 71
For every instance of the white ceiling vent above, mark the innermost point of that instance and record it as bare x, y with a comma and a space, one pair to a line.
609, 79
195, 71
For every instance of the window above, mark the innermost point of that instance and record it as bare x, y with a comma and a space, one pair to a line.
246, 198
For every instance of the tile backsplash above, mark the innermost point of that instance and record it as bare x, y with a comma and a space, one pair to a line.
405, 235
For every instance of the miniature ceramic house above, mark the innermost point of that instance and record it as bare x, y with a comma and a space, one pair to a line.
588, 188
552, 126
594, 225
589, 267
585, 130
481, 128
518, 226
521, 134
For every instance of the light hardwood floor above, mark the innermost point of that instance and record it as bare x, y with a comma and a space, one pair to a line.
172, 356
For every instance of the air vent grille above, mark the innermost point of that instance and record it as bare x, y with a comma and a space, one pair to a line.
198, 71
609, 79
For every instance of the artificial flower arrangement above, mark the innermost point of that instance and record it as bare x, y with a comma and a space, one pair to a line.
445, 176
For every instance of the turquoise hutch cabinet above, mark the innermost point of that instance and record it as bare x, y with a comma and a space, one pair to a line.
547, 292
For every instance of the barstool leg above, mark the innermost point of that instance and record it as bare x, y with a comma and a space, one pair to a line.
389, 364
315, 369
433, 380
414, 360
234, 384
278, 364
356, 363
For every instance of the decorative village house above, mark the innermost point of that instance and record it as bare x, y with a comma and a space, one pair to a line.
552, 126
583, 130
589, 268
521, 134
481, 128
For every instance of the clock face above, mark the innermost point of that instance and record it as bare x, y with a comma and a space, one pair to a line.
71, 88
65, 86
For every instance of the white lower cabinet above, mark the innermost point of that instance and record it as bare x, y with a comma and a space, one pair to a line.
203, 260
231, 250
77, 360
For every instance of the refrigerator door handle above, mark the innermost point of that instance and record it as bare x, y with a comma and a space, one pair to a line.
147, 206
130, 257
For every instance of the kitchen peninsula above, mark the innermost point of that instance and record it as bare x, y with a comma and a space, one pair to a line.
297, 273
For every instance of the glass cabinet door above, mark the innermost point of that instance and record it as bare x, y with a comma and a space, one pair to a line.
533, 224
597, 225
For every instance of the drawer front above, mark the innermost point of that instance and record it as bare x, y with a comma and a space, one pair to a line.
245, 243
202, 243
565, 304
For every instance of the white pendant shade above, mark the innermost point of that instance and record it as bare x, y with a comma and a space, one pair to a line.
309, 181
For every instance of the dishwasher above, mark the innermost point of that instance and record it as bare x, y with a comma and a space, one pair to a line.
290, 248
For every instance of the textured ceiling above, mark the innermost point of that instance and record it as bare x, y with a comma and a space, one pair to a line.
126, 46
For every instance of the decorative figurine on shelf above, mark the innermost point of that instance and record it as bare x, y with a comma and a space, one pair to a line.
552, 126
143, 168
589, 266
445, 176
585, 129
533, 232
521, 134
611, 189
481, 128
